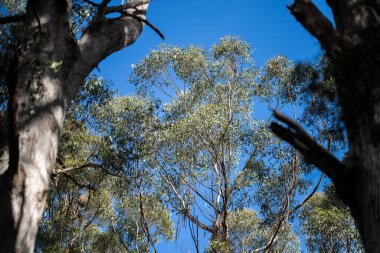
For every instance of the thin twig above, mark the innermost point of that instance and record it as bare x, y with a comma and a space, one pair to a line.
309, 196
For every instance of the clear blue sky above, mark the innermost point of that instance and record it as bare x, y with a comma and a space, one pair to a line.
266, 24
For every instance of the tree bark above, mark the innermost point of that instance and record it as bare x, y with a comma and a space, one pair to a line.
42, 80
358, 82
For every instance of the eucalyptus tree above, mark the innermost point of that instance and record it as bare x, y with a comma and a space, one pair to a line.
101, 198
328, 224
210, 152
49, 49
125, 162
352, 45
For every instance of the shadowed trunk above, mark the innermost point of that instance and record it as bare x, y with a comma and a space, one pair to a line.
353, 47
358, 81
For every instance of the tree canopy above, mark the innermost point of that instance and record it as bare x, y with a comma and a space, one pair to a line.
188, 148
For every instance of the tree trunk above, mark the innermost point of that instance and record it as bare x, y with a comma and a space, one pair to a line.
42, 79
358, 82
353, 47
219, 239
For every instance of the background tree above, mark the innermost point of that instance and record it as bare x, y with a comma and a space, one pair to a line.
101, 198
328, 224
146, 157
353, 47
55, 45
211, 154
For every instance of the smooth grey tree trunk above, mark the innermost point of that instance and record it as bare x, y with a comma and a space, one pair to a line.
42, 79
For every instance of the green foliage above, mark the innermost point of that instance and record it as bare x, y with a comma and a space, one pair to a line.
194, 148
248, 233
210, 146
98, 184
328, 225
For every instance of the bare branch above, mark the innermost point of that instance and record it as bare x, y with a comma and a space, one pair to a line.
80, 184
309, 196
124, 7
144, 20
317, 24
85, 166
11, 19
145, 222
309, 148
91, 3
187, 213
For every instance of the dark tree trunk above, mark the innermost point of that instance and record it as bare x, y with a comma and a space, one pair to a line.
358, 82
354, 50
42, 80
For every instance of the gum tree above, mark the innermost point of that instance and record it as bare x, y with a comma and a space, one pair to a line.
215, 161
102, 198
53, 46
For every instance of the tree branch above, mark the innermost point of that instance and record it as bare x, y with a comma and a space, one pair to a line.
313, 153
12, 19
312, 19
85, 166
145, 21
101, 38
144, 222
309, 196
127, 6
91, 3
198, 223
80, 184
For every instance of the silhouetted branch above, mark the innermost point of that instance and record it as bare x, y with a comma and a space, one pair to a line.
317, 24
313, 153
91, 3
78, 183
11, 19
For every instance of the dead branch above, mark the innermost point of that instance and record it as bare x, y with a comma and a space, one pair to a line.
12, 19
313, 153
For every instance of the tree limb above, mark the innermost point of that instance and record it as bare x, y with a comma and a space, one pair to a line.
91, 3
145, 21
187, 213
123, 7
144, 222
312, 19
80, 184
12, 19
309, 196
313, 153
85, 166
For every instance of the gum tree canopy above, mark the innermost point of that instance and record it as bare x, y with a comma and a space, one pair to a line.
353, 47
47, 50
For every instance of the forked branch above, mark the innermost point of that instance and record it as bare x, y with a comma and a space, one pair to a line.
318, 25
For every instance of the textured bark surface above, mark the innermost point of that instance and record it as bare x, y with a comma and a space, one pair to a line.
353, 47
41, 81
